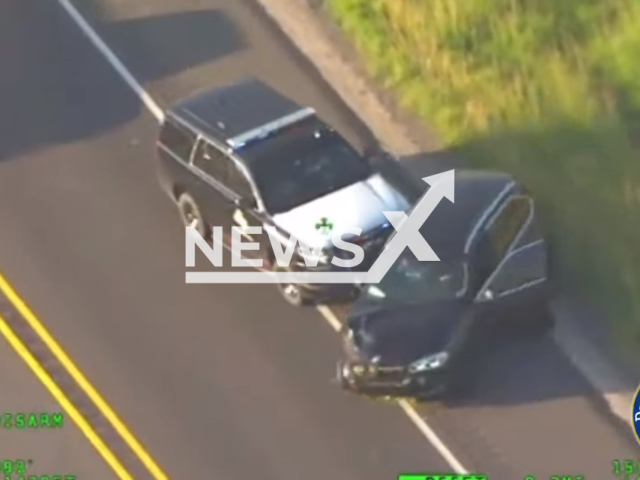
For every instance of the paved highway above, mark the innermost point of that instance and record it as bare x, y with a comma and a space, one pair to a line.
220, 381
59, 450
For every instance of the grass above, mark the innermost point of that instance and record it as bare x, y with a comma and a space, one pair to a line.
547, 90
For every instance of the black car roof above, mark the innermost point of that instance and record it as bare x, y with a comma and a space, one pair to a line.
237, 113
449, 228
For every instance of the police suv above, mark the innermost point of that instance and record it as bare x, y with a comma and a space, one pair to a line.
246, 155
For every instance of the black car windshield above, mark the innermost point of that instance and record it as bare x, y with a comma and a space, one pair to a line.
311, 167
412, 281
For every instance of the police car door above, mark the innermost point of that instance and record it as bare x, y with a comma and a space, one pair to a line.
209, 186
245, 209
519, 251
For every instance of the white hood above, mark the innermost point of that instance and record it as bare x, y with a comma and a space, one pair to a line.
358, 205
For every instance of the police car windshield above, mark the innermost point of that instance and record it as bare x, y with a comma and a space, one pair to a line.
293, 170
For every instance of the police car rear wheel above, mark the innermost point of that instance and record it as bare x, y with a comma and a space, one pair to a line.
190, 214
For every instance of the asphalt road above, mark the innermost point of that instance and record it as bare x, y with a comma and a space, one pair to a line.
221, 381
43, 451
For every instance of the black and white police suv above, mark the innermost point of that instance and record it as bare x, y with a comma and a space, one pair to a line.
246, 155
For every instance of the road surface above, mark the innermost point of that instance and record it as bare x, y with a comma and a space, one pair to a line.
221, 381
58, 448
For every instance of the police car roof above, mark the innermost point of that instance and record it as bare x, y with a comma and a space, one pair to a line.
236, 113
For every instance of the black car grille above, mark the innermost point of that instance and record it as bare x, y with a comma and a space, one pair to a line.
379, 375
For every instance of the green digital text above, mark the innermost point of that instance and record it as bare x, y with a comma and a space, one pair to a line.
31, 420
14, 467
442, 476
56, 476
625, 468
556, 477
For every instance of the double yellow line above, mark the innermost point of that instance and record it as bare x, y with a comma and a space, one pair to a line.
86, 428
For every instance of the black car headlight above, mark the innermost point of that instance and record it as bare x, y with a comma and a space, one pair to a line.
429, 363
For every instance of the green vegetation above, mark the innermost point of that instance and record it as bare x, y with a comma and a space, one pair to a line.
548, 90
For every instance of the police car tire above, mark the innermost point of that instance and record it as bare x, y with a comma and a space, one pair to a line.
298, 301
189, 208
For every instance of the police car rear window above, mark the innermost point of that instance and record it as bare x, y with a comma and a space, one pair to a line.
177, 138
297, 172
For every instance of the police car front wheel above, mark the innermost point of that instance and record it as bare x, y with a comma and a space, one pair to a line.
293, 294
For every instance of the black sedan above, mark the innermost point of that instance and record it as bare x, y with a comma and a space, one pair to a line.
416, 331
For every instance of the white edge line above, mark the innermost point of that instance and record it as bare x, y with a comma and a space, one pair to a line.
426, 430
419, 422
330, 317
115, 62
325, 311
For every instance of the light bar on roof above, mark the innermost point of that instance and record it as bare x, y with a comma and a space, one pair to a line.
264, 130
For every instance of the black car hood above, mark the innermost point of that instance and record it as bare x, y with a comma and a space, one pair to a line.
402, 334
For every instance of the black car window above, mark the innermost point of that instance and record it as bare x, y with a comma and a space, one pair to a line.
211, 161
523, 267
177, 138
504, 228
412, 281
238, 183
498, 236
312, 166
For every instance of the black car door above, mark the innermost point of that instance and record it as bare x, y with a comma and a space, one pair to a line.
517, 252
208, 187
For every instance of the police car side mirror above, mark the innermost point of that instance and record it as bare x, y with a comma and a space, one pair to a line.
245, 203
375, 154
379, 158
371, 151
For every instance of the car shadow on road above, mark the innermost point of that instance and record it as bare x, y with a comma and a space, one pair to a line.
56, 88
519, 368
